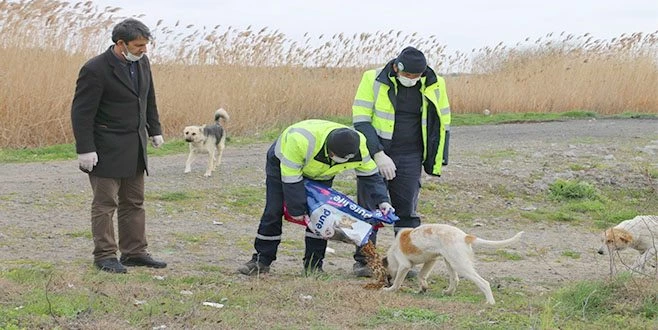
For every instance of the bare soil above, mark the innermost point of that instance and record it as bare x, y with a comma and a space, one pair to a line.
44, 207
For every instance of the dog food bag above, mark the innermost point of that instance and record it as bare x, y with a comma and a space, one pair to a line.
334, 216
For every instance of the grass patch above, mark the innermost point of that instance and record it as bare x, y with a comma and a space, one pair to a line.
568, 190
80, 234
506, 255
499, 255
583, 167
499, 154
176, 196
41, 154
571, 254
247, 199
623, 295
528, 117
635, 115
585, 206
651, 172
408, 316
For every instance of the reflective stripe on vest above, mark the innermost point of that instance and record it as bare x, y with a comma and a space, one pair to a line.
287, 162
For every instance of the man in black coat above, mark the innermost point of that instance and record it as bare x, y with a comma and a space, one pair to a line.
113, 114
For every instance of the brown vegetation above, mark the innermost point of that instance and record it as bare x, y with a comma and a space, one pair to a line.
265, 79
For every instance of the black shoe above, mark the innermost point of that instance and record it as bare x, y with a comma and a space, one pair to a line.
253, 267
142, 260
111, 266
361, 270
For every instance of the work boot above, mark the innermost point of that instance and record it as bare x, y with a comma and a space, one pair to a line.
254, 267
360, 269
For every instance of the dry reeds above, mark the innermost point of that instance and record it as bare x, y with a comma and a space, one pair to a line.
265, 79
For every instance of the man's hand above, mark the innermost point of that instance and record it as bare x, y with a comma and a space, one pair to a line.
385, 207
157, 141
385, 164
87, 161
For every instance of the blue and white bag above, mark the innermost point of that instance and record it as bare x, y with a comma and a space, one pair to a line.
334, 216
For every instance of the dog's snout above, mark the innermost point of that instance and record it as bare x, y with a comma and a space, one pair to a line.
600, 251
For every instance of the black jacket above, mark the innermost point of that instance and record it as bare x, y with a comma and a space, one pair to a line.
111, 118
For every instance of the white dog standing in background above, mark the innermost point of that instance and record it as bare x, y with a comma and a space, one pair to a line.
639, 233
207, 139
427, 243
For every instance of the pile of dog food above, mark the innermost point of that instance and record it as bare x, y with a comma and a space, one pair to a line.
379, 272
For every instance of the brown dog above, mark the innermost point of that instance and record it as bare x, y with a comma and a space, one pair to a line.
426, 244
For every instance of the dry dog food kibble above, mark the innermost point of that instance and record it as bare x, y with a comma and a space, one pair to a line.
379, 272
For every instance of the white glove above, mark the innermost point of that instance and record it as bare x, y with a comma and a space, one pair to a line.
385, 164
87, 161
157, 141
385, 207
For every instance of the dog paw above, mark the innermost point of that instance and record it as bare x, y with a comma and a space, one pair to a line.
422, 290
187, 170
389, 289
208, 174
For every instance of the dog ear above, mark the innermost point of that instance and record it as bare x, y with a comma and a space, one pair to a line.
623, 236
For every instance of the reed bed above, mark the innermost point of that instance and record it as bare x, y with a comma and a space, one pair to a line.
264, 79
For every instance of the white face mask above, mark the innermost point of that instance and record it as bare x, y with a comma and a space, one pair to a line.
340, 159
130, 56
408, 82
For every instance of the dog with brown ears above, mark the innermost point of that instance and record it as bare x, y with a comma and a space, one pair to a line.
207, 139
426, 244
639, 233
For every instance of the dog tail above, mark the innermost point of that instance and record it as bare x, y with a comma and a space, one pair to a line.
221, 113
476, 241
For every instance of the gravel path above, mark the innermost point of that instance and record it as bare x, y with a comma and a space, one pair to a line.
44, 207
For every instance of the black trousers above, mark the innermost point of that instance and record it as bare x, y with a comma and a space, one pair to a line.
403, 191
269, 233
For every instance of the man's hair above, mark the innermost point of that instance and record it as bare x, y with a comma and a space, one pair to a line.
129, 30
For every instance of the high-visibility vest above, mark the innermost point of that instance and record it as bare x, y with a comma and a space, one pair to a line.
303, 153
373, 104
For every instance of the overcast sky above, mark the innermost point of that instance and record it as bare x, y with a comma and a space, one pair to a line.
460, 25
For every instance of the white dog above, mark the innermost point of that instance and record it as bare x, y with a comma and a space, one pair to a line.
426, 244
639, 233
208, 139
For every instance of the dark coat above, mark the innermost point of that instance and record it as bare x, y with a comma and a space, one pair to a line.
111, 118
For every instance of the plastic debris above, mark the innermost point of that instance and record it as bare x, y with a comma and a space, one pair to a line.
213, 304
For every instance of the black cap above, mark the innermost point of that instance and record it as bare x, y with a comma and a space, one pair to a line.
343, 142
411, 60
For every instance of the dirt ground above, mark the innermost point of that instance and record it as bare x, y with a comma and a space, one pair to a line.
44, 207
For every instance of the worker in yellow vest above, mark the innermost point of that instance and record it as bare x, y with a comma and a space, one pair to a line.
403, 111
317, 150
